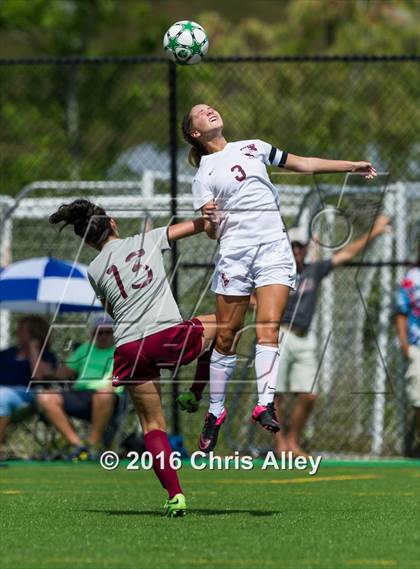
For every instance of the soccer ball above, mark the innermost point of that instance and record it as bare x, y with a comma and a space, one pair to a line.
186, 42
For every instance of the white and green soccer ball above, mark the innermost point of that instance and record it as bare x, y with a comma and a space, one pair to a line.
186, 42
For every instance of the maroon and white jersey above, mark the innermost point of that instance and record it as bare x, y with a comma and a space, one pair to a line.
130, 275
236, 177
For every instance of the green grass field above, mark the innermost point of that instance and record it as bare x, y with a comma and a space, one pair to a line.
349, 515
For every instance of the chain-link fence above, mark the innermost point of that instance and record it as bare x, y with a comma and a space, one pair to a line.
116, 122
105, 119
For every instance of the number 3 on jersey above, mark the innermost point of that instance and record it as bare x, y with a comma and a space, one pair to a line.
241, 176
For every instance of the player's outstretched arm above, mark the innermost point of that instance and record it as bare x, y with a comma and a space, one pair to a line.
382, 224
191, 227
320, 165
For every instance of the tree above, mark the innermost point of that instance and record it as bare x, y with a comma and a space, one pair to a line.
73, 121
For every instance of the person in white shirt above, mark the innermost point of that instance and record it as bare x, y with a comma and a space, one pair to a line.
232, 186
128, 276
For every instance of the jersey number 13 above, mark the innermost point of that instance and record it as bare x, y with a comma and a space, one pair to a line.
113, 270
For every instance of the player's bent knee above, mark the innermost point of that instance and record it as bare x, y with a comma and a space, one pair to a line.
268, 334
225, 341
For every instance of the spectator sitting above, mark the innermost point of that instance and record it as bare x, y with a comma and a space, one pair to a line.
92, 397
22, 364
408, 330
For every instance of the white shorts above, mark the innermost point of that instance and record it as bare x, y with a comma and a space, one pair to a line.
298, 363
239, 271
413, 376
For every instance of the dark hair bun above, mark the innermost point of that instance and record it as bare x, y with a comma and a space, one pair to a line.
89, 220
76, 212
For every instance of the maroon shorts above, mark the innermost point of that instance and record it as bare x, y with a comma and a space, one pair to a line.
141, 360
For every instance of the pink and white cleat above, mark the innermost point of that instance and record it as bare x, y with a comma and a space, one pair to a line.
265, 415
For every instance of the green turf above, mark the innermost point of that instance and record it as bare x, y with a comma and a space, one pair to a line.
79, 516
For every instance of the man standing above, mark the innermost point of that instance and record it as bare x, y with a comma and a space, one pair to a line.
408, 329
298, 358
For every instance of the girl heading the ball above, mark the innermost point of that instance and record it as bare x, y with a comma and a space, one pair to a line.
232, 185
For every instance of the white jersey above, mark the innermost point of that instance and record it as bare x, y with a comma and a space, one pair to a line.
236, 177
130, 275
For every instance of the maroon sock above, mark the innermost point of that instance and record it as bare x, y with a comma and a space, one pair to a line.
155, 442
202, 373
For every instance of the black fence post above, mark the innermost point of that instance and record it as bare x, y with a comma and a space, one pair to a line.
173, 149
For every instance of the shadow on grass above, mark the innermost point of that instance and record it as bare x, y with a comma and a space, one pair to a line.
207, 512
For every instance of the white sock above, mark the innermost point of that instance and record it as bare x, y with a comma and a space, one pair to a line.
267, 359
221, 369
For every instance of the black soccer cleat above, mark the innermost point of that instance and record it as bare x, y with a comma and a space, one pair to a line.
265, 415
210, 432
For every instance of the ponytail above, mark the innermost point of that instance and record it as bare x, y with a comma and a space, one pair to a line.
89, 221
197, 151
